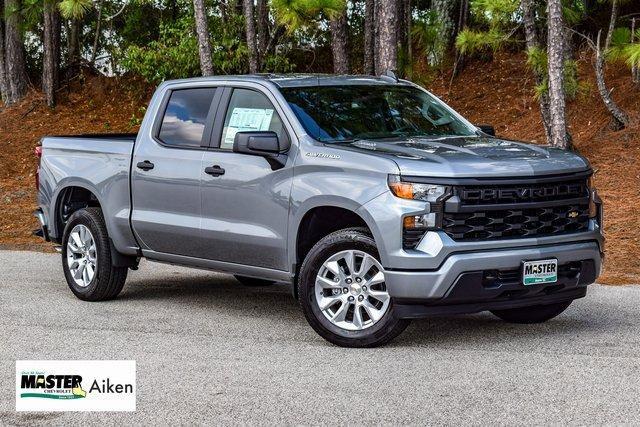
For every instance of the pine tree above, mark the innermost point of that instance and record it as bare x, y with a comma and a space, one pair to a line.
387, 44
14, 52
555, 53
250, 25
339, 49
202, 30
51, 51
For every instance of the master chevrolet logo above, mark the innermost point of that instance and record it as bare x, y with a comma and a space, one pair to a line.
573, 214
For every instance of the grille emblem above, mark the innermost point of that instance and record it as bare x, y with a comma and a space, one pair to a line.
573, 214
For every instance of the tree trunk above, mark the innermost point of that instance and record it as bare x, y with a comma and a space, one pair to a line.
14, 53
4, 84
51, 52
463, 17
263, 26
404, 27
369, 36
204, 47
555, 51
251, 35
533, 42
338, 26
387, 55
445, 11
620, 118
73, 48
635, 70
96, 36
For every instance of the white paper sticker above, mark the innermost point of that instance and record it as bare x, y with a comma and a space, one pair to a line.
247, 119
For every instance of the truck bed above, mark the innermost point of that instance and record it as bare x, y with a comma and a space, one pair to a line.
99, 164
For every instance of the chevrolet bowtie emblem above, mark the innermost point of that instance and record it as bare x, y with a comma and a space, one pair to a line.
573, 214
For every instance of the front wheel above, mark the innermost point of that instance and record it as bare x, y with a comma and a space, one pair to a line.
532, 314
342, 291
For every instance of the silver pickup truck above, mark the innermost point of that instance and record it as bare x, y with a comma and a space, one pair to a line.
373, 199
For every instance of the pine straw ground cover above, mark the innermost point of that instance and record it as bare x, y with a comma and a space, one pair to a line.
498, 92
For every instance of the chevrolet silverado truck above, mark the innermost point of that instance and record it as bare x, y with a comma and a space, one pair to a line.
375, 201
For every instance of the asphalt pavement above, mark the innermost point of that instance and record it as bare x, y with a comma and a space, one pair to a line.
210, 351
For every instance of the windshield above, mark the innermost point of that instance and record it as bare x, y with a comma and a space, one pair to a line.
351, 112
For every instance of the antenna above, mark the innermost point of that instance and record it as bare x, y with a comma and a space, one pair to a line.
391, 74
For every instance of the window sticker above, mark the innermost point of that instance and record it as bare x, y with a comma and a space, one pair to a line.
247, 119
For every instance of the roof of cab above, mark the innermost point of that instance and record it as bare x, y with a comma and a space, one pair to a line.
301, 80
297, 80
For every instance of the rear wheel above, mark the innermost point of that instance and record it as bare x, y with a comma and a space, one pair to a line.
253, 282
343, 294
532, 314
86, 257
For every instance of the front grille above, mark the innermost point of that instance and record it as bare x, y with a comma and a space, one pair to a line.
525, 208
512, 223
504, 211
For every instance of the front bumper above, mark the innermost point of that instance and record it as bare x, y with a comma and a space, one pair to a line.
464, 279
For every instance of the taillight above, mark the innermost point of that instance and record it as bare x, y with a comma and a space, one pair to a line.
38, 152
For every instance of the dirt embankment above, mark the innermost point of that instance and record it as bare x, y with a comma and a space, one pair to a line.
498, 93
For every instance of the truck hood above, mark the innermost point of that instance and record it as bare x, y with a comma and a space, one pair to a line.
457, 157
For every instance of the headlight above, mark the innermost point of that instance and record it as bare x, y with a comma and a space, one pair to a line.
595, 203
415, 226
409, 190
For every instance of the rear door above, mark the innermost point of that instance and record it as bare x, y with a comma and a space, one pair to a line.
245, 205
166, 172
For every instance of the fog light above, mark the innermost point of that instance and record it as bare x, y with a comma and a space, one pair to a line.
420, 221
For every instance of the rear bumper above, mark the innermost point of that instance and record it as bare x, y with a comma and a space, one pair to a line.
475, 280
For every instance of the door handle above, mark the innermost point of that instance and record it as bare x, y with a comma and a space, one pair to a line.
145, 166
214, 170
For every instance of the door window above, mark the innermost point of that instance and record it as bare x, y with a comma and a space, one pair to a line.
185, 118
249, 111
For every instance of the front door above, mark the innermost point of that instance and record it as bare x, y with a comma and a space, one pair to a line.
166, 173
245, 203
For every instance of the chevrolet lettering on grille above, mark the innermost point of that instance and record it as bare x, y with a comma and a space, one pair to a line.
523, 193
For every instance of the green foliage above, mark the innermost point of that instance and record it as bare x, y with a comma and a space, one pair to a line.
173, 55
632, 53
573, 87
622, 49
296, 14
537, 60
495, 13
424, 33
75, 9
472, 41
497, 18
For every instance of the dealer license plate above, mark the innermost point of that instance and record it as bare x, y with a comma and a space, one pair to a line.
542, 271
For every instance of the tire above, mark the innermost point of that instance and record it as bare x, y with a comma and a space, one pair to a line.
362, 330
107, 281
253, 282
532, 314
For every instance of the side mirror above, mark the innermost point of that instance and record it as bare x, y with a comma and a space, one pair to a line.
262, 143
488, 129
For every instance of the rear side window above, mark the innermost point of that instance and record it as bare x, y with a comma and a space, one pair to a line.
186, 117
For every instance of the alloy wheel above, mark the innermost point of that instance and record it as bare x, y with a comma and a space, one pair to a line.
81, 255
350, 290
